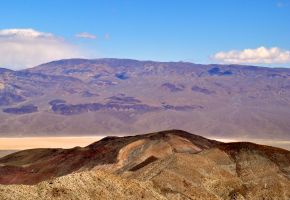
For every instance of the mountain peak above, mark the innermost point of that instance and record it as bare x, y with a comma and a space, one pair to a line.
122, 154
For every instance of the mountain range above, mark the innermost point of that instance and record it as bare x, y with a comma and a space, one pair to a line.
123, 96
171, 164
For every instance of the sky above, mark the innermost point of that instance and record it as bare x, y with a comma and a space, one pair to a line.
255, 32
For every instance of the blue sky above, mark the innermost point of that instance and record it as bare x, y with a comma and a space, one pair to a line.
172, 30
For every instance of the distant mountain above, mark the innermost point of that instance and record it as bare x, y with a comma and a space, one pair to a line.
121, 96
164, 165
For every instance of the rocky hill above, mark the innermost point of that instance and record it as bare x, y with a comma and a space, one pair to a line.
164, 165
121, 96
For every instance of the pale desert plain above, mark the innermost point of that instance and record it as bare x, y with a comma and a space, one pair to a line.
10, 145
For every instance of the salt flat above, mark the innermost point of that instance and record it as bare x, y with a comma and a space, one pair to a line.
10, 145
46, 142
285, 144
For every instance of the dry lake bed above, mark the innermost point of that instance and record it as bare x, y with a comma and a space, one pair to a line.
284, 144
10, 145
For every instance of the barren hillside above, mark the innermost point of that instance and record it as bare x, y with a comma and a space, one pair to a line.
164, 165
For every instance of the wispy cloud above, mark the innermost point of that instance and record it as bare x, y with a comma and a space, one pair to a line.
107, 36
261, 55
283, 3
280, 4
22, 48
86, 35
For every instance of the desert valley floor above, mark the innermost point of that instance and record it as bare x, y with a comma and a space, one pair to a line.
10, 145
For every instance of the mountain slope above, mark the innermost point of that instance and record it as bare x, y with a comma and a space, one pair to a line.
32, 166
164, 165
87, 97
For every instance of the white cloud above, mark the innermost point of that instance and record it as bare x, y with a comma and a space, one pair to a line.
22, 48
86, 35
30, 33
261, 55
